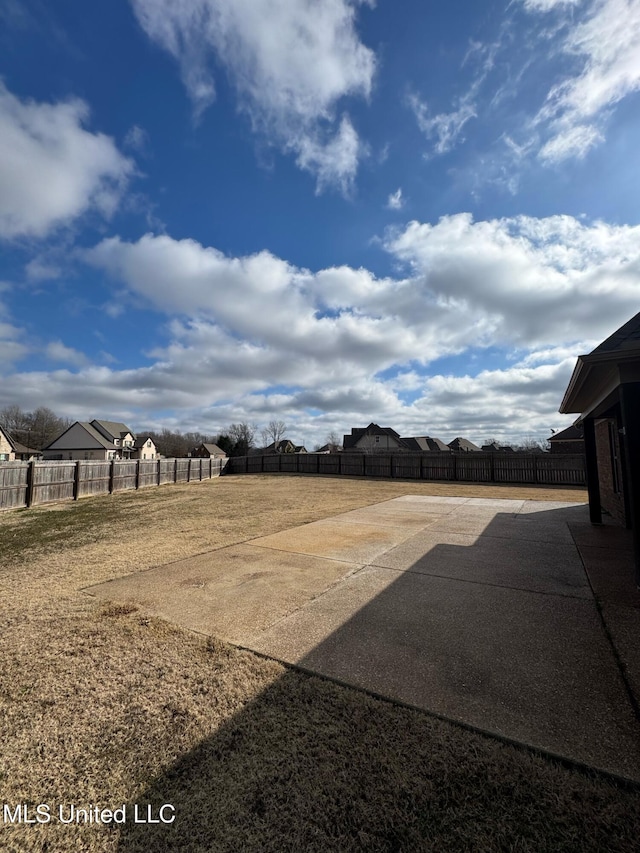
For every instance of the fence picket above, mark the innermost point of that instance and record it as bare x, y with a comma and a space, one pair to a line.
39, 482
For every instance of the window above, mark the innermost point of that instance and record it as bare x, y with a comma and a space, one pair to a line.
4, 457
377, 439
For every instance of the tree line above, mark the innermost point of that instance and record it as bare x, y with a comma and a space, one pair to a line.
32, 429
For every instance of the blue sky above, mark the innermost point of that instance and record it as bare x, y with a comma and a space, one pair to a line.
215, 211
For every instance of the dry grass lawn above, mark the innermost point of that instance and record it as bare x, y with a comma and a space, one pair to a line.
102, 705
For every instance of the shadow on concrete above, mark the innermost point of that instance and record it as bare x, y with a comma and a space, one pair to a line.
498, 630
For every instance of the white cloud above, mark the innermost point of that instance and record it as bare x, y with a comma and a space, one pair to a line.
605, 43
257, 337
57, 351
290, 63
137, 138
395, 200
547, 5
446, 128
39, 270
334, 162
11, 347
52, 170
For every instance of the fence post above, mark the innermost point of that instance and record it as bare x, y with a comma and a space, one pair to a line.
137, 473
455, 465
318, 463
340, 463
158, 475
30, 483
76, 481
535, 467
111, 474
492, 467
211, 467
175, 470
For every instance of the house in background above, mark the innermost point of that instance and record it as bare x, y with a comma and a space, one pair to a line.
494, 447
424, 443
208, 451
569, 440
119, 435
144, 448
98, 440
373, 437
284, 446
463, 445
7, 447
605, 390
11, 450
376, 438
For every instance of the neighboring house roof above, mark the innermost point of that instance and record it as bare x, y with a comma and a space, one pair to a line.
571, 433
329, 448
212, 449
424, 443
91, 431
111, 429
284, 446
462, 444
23, 449
140, 442
373, 429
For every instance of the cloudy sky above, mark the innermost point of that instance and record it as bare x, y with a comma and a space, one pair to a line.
325, 212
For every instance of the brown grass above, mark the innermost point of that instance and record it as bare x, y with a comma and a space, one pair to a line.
100, 704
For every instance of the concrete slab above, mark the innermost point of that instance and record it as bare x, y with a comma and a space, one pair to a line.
623, 624
549, 567
532, 667
388, 516
477, 609
357, 543
495, 504
231, 593
558, 509
427, 503
505, 526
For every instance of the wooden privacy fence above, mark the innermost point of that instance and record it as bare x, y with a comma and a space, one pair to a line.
24, 484
558, 469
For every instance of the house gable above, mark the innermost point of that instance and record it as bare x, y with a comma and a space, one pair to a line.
80, 436
115, 432
7, 447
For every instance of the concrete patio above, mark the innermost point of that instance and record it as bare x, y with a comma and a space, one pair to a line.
513, 616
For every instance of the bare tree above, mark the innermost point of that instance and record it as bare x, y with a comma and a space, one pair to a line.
14, 419
35, 429
333, 440
243, 437
274, 432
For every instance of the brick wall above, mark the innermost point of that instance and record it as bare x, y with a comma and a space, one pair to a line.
611, 496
